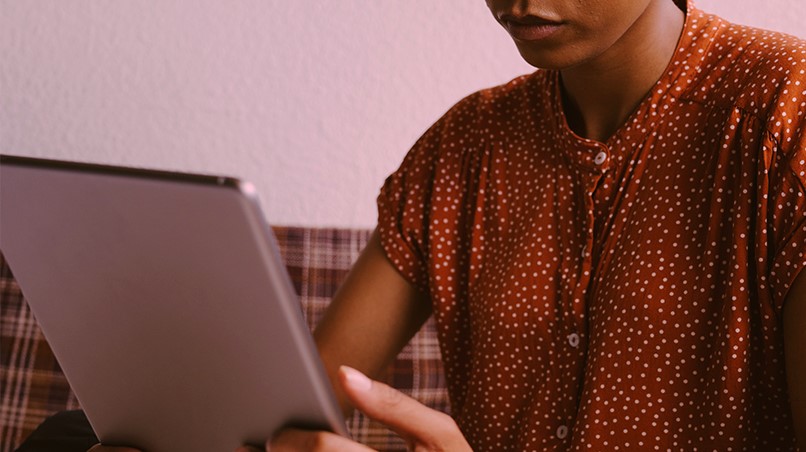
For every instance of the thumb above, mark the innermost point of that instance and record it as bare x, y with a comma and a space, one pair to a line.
407, 417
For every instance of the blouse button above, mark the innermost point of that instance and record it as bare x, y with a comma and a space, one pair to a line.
573, 339
600, 158
562, 432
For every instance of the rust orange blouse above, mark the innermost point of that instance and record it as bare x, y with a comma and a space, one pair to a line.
624, 295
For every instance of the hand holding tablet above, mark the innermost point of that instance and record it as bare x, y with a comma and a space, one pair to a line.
423, 428
166, 303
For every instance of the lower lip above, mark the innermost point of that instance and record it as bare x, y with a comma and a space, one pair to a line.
532, 32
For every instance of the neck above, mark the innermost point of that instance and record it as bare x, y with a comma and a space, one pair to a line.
600, 94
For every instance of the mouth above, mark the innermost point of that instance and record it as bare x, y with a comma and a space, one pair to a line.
529, 27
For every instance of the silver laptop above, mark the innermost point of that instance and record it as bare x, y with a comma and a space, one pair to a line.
166, 304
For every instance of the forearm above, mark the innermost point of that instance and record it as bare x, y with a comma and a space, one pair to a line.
371, 318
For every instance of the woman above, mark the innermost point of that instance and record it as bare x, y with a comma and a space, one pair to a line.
610, 246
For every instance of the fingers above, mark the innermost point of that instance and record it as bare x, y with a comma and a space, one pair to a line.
307, 440
412, 420
422, 427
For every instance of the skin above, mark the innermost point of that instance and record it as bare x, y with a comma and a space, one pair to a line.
422, 428
794, 318
372, 317
609, 53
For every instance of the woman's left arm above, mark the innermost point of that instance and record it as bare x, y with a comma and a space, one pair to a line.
795, 350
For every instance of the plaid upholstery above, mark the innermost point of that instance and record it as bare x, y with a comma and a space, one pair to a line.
33, 386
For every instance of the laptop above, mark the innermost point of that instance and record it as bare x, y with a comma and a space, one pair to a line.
166, 303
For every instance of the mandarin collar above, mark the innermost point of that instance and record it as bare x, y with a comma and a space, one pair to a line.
679, 75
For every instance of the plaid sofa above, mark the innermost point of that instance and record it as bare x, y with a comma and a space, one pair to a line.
33, 386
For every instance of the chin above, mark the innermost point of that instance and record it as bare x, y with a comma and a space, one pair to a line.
563, 55
550, 59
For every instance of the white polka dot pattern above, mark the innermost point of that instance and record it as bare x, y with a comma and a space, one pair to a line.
622, 295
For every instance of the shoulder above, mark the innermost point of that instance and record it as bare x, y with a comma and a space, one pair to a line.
760, 72
472, 120
500, 100
450, 147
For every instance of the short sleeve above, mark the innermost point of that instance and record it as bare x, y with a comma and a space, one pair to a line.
403, 206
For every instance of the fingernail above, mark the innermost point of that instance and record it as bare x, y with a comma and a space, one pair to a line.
356, 379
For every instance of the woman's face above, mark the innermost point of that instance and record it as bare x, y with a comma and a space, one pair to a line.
560, 34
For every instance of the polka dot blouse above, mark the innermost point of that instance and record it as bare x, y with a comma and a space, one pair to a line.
624, 295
